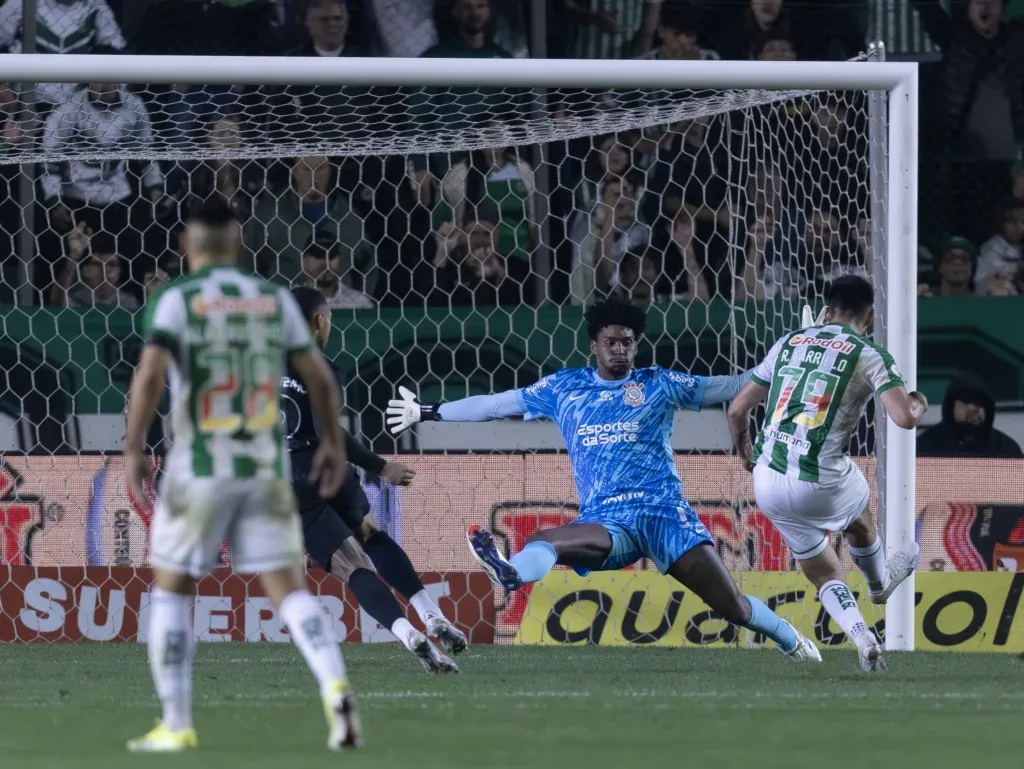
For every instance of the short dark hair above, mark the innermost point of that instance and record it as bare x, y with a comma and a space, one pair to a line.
102, 243
615, 312
310, 301
850, 295
212, 212
682, 17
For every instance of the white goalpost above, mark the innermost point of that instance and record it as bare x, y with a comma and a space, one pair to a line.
683, 90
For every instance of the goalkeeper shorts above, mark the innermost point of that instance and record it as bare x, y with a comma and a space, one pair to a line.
660, 532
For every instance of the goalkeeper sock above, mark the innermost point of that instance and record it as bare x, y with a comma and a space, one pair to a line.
841, 606
312, 633
534, 561
375, 598
766, 622
392, 564
172, 646
871, 561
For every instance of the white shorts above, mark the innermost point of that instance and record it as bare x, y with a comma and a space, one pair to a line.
257, 516
804, 512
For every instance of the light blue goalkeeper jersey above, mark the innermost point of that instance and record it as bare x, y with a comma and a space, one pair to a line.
618, 432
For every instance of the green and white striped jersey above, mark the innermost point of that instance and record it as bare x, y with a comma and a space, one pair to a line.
230, 335
820, 380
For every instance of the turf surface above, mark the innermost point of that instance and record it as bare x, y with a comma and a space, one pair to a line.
73, 705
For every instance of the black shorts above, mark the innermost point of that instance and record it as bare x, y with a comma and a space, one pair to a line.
326, 523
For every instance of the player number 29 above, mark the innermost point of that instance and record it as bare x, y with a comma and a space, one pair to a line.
227, 404
816, 389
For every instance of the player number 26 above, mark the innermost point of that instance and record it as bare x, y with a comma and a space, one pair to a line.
816, 389
227, 404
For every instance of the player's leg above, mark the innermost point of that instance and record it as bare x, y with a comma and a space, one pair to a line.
350, 564
804, 514
394, 567
582, 545
681, 546
825, 572
867, 550
188, 525
266, 538
702, 571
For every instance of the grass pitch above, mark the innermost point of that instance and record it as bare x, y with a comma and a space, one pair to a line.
73, 706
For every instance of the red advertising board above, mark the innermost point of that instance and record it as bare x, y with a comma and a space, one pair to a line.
112, 604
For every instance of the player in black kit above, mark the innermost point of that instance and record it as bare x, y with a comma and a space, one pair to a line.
341, 535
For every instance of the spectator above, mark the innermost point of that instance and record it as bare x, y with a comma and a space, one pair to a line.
65, 270
762, 20
606, 156
638, 274
1001, 254
282, 225
466, 34
680, 274
322, 268
776, 45
154, 278
966, 430
99, 276
1017, 179
101, 194
601, 238
954, 270
237, 181
679, 28
62, 26
501, 179
983, 77
467, 268
189, 28
623, 29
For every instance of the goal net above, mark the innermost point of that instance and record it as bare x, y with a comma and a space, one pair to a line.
459, 231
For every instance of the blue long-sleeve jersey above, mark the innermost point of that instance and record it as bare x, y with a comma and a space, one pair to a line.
617, 432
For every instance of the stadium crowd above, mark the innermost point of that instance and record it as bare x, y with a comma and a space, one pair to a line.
698, 208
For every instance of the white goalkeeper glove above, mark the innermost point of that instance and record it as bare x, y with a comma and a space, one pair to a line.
807, 318
404, 413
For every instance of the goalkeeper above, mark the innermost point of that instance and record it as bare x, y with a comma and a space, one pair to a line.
339, 533
616, 421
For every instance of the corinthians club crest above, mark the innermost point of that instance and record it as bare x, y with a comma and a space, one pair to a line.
633, 394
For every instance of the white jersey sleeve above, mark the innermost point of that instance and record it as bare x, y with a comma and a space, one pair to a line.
295, 330
167, 320
764, 372
879, 369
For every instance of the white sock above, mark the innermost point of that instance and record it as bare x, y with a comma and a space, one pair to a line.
425, 606
840, 604
311, 632
871, 561
404, 631
171, 648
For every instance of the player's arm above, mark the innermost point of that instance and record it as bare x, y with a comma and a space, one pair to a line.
407, 410
739, 419
905, 409
878, 367
329, 463
686, 391
144, 395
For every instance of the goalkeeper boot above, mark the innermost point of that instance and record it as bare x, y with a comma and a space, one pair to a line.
346, 731
452, 640
871, 659
160, 739
900, 565
432, 659
805, 650
501, 572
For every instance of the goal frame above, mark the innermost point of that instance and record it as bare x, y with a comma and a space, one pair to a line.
896, 164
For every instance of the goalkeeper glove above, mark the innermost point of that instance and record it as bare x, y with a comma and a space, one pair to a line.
807, 318
404, 413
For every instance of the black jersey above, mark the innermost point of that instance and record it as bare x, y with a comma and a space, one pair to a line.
301, 428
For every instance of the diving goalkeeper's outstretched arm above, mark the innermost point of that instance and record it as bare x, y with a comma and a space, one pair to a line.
407, 410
